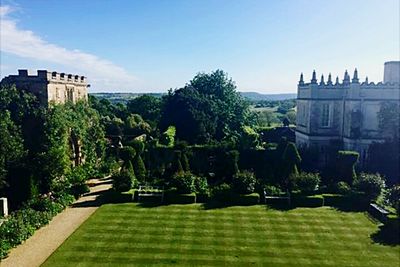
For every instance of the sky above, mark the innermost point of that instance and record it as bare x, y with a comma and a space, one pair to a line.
152, 46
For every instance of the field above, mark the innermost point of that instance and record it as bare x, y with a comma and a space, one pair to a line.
196, 235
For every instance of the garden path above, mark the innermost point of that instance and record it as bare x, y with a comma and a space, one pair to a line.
34, 251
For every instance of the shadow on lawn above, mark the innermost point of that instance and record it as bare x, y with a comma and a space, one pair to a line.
386, 235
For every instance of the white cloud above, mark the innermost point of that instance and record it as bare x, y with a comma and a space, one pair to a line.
104, 74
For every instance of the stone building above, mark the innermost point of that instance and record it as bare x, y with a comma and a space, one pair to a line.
51, 86
344, 114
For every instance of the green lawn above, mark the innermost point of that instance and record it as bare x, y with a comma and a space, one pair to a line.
189, 235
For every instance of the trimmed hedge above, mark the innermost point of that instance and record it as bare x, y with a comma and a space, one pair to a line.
334, 200
307, 201
245, 199
202, 198
172, 197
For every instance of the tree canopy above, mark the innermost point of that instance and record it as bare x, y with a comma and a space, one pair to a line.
207, 109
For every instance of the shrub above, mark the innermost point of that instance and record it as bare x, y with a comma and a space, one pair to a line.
201, 185
343, 188
184, 182
125, 180
307, 182
21, 224
222, 192
271, 190
370, 184
345, 162
108, 166
244, 182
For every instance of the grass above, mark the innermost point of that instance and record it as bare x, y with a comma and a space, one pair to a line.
190, 235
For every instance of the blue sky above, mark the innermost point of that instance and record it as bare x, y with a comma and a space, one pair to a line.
151, 46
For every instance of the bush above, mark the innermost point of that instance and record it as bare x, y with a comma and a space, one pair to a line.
127, 153
307, 182
307, 201
201, 185
271, 190
244, 182
21, 224
79, 189
184, 182
109, 166
343, 188
222, 193
125, 180
371, 185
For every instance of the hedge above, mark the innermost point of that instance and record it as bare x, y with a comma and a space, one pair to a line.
307, 201
245, 199
202, 198
172, 197
334, 200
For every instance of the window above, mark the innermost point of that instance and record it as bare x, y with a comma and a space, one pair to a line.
325, 115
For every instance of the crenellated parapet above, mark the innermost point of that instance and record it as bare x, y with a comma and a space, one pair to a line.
347, 83
51, 86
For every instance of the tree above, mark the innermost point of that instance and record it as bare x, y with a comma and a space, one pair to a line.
147, 106
208, 108
11, 145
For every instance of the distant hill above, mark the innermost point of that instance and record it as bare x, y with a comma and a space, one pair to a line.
122, 97
254, 96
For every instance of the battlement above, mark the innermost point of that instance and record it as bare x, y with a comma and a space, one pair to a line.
51, 86
391, 80
52, 76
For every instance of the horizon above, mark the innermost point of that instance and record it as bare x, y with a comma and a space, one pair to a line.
151, 47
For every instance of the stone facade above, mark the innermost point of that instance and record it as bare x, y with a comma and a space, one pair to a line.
51, 87
344, 114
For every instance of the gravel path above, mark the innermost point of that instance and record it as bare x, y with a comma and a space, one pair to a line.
34, 251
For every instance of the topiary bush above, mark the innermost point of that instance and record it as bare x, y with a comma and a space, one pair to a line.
371, 185
344, 169
184, 182
307, 182
125, 180
244, 182
343, 188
